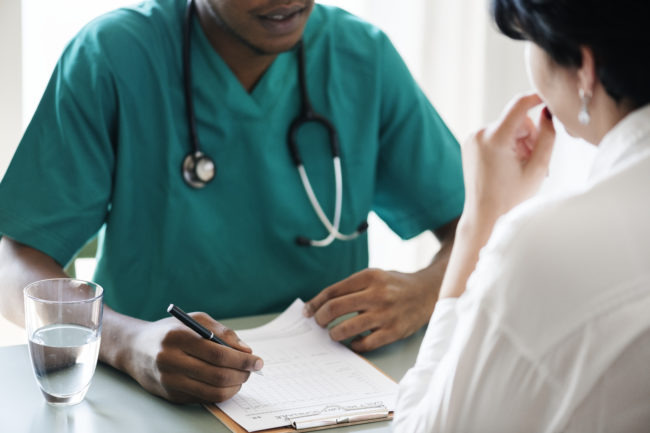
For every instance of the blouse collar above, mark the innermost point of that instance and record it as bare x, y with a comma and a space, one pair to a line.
626, 142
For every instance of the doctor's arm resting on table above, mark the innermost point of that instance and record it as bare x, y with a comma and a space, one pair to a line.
171, 360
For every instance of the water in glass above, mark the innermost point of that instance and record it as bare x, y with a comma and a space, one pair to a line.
64, 358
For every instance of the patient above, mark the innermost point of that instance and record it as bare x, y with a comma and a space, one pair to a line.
551, 333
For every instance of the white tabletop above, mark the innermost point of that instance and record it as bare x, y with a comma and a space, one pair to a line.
117, 404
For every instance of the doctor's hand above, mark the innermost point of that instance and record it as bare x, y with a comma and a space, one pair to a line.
172, 361
391, 305
506, 163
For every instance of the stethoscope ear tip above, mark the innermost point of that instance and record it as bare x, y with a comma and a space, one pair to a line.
303, 241
362, 227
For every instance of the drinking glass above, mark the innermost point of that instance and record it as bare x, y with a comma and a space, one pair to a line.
63, 319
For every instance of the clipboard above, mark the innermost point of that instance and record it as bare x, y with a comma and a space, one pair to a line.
304, 424
368, 417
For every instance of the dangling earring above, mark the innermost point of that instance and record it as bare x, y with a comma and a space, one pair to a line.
583, 116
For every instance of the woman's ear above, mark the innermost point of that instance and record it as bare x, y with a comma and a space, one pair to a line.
587, 72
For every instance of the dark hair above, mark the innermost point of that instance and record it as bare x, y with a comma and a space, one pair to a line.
617, 31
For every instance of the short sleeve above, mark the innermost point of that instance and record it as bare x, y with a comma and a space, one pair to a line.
419, 183
56, 192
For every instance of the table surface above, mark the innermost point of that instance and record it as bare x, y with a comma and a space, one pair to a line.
116, 403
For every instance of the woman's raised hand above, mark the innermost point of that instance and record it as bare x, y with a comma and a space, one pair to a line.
505, 163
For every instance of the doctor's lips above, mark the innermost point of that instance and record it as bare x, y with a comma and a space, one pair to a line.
283, 16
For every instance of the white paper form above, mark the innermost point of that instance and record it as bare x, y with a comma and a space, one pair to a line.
305, 373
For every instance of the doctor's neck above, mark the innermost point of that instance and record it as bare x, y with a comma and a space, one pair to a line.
249, 34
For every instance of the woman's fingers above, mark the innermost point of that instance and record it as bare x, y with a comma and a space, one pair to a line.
505, 164
515, 115
540, 157
525, 138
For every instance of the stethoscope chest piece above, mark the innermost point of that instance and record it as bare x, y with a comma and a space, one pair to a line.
198, 169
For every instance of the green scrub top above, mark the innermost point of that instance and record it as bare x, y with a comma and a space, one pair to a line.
105, 146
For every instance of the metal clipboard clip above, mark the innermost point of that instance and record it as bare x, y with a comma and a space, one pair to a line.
339, 416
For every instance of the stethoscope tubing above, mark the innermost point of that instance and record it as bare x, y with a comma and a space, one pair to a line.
332, 228
187, 78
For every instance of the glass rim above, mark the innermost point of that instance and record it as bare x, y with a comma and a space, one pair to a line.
99, 293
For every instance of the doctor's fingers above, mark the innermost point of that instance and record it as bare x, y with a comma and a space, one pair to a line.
184, 389
229, 336
370, 299
353, 326
374, 340
178, 363
354, 283
180, 344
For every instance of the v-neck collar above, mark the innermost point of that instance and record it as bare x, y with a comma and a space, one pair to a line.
267, 90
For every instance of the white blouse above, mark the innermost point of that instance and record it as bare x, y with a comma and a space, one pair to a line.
553, 332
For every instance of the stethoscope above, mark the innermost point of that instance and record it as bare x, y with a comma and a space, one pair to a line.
199, 169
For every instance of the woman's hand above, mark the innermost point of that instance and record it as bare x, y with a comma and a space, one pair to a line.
505, 163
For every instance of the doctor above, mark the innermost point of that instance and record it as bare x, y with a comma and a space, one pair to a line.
229, 152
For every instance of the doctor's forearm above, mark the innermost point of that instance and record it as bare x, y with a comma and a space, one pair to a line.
432, 276
21, 265
118, 333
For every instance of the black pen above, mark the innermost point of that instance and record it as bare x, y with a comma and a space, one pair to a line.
197, 327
